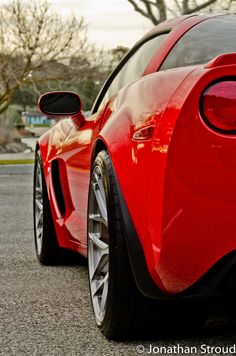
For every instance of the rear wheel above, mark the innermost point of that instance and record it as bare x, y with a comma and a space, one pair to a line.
120, 310
46, 245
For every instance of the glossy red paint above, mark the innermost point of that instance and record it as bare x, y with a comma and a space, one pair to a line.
224, 59
199, 200
179, 184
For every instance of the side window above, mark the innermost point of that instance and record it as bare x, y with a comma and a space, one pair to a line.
134, 67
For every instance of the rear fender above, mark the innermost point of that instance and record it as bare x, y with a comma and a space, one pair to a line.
198, 190
132, 158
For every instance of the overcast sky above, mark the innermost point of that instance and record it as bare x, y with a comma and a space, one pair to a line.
111, 22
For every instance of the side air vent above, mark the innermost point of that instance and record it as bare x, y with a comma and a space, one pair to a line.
57, 187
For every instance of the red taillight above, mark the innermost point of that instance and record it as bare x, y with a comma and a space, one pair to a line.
219, 105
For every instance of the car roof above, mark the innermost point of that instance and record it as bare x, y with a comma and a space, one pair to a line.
186, 21
175, 28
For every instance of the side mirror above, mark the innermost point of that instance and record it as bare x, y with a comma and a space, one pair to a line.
60, 104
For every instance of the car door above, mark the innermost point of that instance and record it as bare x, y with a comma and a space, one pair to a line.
76, 152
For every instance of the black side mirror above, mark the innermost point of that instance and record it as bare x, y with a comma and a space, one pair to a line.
60, 104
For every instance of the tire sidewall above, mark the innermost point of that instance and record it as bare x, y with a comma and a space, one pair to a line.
101, 162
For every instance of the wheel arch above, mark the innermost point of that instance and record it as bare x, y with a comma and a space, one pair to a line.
98, 146
36, 146
140, 272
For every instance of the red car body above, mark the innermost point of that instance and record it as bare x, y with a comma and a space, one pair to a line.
176, 174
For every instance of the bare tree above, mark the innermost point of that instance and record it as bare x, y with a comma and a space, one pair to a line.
33, 43
156, 10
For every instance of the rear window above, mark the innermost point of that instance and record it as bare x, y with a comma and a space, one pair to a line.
203, 42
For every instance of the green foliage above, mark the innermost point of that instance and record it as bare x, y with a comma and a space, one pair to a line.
118, 53
16, 161
88, 90
25, 97
13, 115
84, 75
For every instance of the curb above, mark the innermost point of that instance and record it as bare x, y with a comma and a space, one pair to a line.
9, 169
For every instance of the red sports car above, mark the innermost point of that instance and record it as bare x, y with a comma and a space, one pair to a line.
146, 186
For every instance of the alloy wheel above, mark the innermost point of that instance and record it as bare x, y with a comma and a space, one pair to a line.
38, 208
98, 245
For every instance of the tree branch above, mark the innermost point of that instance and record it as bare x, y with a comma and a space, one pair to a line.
31, 36
150, 14
158, 5
137, 8
187, 10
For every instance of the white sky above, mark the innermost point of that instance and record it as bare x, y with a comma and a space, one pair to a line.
111, 22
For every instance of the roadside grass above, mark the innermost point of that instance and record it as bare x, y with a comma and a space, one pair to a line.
16, 161
40, 125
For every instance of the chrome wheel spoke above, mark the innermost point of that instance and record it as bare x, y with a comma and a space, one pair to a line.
39, 219
100, 202
39, 204
104, 292
100, 266
101, 290
38, 192
99, 182
40, 231
98, 218
96, 239
100, 256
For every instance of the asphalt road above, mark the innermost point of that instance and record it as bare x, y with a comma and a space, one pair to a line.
46, 310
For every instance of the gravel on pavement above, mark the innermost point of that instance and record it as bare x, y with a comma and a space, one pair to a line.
46, 310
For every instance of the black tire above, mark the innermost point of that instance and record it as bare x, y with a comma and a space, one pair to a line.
49, 252
129, 313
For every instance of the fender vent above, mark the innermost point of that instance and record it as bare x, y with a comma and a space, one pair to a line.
57, 187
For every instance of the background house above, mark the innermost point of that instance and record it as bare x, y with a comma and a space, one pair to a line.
35, 118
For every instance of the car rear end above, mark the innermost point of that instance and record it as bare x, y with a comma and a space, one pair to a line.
199, 199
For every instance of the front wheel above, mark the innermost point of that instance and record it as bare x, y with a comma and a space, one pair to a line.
46, 245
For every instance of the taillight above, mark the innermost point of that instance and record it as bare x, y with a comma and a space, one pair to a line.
219, 106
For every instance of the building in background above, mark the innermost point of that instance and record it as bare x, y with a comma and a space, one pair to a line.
35, 118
